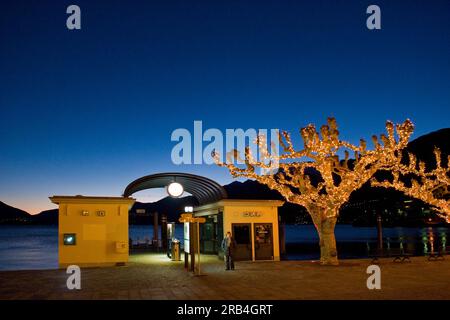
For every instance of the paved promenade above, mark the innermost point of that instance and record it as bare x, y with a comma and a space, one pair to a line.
153, 276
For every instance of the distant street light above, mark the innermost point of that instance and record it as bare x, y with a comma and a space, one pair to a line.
175, 189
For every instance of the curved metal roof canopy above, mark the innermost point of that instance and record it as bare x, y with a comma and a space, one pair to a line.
203, 189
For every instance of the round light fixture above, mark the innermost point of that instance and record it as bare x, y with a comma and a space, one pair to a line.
175, 189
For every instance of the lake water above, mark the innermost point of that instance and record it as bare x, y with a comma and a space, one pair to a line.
36, 247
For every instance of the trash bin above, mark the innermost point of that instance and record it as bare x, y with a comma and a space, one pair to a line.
175, 250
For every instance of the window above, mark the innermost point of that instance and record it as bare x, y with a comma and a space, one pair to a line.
70, 239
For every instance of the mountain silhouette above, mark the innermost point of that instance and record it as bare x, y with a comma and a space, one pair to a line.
251, 189
171, 207
423, 147
362, 208
47, 217
11, 215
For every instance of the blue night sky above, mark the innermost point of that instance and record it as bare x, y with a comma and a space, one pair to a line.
90, 110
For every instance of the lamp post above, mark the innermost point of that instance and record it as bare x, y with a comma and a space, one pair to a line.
379, 232
155, 230
198, 246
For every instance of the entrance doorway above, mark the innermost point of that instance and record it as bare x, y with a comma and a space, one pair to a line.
208, 236
241, 233
263, 241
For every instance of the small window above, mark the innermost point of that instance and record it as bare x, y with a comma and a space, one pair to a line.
70, 239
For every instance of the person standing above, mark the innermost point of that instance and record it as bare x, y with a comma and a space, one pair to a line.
228, 247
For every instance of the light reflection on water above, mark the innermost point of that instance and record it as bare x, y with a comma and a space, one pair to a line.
36, 247
301, 241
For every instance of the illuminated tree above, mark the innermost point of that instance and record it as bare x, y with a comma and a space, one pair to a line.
413, 179
315, 177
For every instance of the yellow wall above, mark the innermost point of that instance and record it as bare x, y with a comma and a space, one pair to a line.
100, 240
235, 214
236, 211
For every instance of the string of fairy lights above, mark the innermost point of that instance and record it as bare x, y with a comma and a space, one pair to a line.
286, 172
415, 181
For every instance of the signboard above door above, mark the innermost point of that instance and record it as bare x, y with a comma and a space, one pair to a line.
251, 214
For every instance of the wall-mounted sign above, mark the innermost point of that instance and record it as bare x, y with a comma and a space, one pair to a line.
101, 213
187, 217
251, 214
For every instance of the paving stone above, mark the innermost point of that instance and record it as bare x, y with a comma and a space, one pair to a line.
152, 276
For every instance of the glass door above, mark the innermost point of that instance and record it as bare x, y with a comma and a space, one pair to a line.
208, 237
263, 241
241, 233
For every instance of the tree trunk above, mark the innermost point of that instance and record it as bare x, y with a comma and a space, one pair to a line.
328, 251
327, 241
